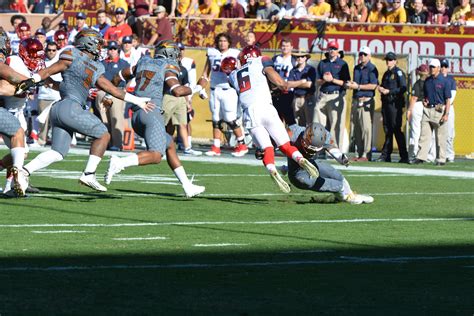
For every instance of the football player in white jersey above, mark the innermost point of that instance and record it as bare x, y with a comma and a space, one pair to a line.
223, 99
260, 117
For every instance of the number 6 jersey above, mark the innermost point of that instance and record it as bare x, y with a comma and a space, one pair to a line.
251, 83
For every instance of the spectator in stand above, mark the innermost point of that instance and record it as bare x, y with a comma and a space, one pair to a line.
435, 115
283, 63
80, 25
208, 10
15, 21
342, 11
186, 8
320, 10
460, 12
128, 52
113, 5
267, 11
19, 6
303, 95
232, 10
162, 31
378, 12
41, 6
439, 14
46, 25
112, 109
469, 18
252, 8
120, 29
359, 11
418, 15
363, 103
102, 26
332, 74
40, 35
397, 14
139, 11
294, 9
415, 110
46, 95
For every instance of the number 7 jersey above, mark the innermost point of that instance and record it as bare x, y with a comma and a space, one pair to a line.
251, 83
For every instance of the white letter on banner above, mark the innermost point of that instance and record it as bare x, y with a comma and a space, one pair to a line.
376, 46
426, 48
468, 64
354, 45
452, 49
411, 48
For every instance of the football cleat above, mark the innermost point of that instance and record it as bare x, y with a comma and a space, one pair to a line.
354, 198
309, 167
192, 152
215, 151
115, 167
20, 181
192, 190
240, 150
282, 185
90, 181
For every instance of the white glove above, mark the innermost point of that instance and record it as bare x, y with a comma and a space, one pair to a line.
203, 94
197, 88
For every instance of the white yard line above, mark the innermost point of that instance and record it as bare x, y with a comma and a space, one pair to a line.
218, 245
340, 260
142, 238
282, 222
305, 251
58, 231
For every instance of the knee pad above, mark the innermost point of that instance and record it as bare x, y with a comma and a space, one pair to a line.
233, 124
217, 124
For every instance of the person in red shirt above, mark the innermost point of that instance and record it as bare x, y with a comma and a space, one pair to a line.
232, 10
120, 29
162, 30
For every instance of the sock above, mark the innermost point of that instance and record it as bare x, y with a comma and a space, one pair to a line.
18, 156
128, 161
270, 167
346, 188
241, 140
190, 141
43, 160
180, 173
217, 142
268, 156
290, 151
92, 164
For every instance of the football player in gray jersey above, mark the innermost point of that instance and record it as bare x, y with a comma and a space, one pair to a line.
81, 70
309, 141
151, 75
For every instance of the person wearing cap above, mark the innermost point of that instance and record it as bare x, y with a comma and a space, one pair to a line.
40, 35
364, 84
451, 133
162, 30
120, 29
303, 95
283, 64
392, 89
102, 25
436, 111
332, 74
418, 15
397, 14
113, 5
112, 116
80, 25
415, 110
128, 52
64, 26
232, 10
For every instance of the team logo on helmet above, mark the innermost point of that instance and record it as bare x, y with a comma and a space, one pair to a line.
32, 53
60, 38
228, 64
315, 138
90, 41
167, 49
250, 51
23, 30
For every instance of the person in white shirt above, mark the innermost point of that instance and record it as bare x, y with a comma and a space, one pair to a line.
80, 25
294, 9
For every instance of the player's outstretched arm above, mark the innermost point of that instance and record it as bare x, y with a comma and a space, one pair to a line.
10, 75
6, 88
41, 75
175, 87
275, 78
124, 75
107, 86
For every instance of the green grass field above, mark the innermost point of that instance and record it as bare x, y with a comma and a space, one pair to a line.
242, 248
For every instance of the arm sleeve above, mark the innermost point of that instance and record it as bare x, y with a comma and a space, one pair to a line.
374, 76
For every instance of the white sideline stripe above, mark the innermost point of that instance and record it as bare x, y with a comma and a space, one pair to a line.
306, 251
142, 238
342, 260
57, 231
218, 245
316, 221
240, 195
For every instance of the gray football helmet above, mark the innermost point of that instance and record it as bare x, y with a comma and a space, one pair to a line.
90, 41
315, 138
5, 47
167, 49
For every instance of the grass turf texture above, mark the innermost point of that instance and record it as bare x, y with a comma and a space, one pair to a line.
275, 267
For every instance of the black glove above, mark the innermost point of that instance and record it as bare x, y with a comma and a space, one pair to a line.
24, 86
259, 153
344, 160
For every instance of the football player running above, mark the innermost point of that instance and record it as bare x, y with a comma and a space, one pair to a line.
81, 70
151, 75
223, 100
259, 115
311, 140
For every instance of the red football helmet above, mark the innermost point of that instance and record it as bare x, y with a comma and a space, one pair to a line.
23, 30
60, 37
250, 51
228, 64
32, 53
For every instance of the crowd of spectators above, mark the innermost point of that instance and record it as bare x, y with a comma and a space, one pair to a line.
457, 12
